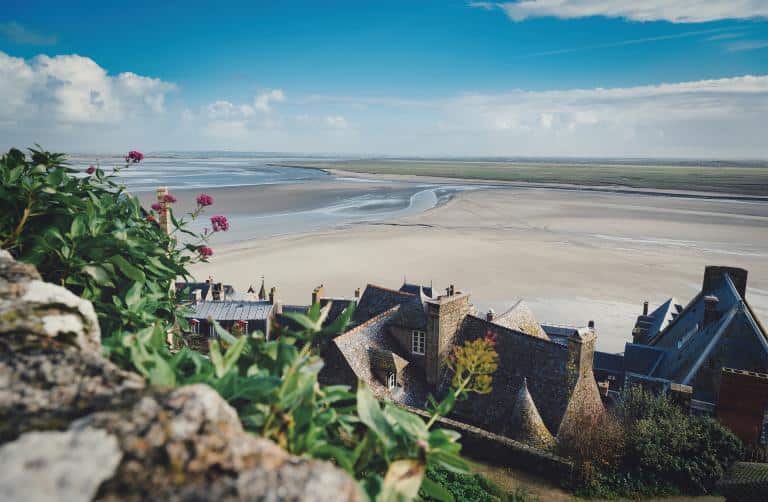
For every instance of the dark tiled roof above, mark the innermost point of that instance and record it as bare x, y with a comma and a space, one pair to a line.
192, 286
411, 315
414, 289
608, 362
520, 318
337, 307
386, 360
371, 337
232, 310
377, 299
526, 424
641, 359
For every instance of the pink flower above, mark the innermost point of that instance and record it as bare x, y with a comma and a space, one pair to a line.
157, 206
91, 169
204, 200
219, 223
134, 156
151, 218
205, 251
170, 199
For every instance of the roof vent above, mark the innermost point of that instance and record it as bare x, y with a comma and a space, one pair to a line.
490, 315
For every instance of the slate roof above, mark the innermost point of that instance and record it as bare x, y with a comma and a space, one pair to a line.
526, 424
414, 289
520, 318
411, 315
232, 310
386, 360
193, 286
371, 338
642, 359
376, 300
651, 325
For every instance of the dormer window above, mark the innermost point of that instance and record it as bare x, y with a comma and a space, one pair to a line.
418, 342
194, 326
391, 381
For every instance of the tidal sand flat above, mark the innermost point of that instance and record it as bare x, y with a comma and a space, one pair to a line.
574, 256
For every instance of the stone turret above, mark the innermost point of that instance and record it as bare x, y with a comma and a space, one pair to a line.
526, 425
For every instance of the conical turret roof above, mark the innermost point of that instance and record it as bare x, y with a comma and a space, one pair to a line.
526, 425
262, 291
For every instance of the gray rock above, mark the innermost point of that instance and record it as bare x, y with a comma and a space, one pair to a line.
191, 444
67, 466
43, 309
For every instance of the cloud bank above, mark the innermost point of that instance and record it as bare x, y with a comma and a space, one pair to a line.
679, 11
72, 104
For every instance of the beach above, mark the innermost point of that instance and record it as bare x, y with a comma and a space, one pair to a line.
573, 255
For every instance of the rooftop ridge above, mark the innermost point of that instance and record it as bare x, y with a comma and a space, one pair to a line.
366, 324
389, 290
512, 331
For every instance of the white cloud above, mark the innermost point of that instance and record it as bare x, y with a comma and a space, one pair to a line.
71, 89
19, 34
746, 45
677, 11
264, 100
336, 121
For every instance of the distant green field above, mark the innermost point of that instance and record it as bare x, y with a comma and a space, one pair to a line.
738, 179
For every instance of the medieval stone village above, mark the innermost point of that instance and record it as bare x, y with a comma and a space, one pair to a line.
709, 356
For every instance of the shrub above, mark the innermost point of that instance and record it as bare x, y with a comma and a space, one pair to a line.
473, 487
659, 450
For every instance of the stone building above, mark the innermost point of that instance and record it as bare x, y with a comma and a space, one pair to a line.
692, 349
401, 338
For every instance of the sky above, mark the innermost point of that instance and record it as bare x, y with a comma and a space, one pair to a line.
582, 78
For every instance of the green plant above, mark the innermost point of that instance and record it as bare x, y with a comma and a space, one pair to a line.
87, 234
473, 487
650, 447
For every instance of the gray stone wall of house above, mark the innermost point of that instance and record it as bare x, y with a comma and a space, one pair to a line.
444, 316
403, 337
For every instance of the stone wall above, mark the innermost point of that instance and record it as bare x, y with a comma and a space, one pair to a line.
482, 445
75, 427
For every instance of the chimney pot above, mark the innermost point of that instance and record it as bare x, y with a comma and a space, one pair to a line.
272, 294
591, 324
357, 292
645, 308
489, 316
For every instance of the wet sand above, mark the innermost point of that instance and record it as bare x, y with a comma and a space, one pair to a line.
573, 255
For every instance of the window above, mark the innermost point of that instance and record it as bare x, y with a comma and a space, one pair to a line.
418, 341
194, 326
391, 381
211, 330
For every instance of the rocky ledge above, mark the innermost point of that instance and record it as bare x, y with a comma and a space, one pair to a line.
73, 426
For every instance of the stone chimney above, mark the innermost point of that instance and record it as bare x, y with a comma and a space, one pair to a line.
444, 317
165, 220
645, 308
713, 277
272, 295
490, 315
317, 293
581, 351
711, 314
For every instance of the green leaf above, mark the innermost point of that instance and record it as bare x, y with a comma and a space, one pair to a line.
452, 462
99, 275
129, 270
411, 423
133, 295
404, 479
370, 414
78, 228
435, 490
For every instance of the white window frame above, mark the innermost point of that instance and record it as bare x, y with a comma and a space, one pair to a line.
418, 342
244, 327
391, 381
194, 326
211, 330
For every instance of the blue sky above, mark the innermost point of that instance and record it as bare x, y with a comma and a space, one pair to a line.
537, 77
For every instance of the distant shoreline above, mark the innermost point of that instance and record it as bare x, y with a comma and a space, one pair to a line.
500, 183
